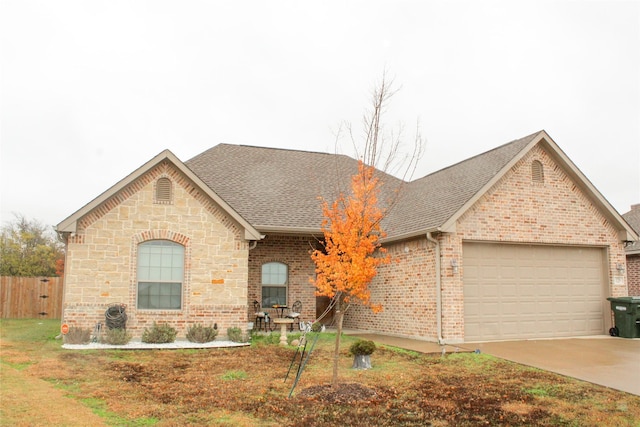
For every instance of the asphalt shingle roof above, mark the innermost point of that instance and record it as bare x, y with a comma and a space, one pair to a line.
280, 189
432, 200
275, 187
633, 218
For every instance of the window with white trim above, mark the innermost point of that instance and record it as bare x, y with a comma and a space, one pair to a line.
160, 275
274, 284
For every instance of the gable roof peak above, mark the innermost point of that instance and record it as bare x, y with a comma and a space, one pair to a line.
520, 141
69, 224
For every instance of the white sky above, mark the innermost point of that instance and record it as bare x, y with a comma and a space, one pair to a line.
91, 90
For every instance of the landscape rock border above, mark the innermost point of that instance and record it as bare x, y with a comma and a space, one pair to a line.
139, 345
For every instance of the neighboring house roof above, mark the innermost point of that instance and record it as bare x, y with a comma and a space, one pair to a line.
69, 225
633, 218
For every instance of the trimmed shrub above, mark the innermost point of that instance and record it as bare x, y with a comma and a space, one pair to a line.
77, 336
362, 348
159, 334
201, 333
234, 334
116, 336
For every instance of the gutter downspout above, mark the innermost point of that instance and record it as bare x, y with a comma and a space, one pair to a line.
438, 288
65, 237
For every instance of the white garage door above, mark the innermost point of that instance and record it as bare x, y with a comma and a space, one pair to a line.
532, 291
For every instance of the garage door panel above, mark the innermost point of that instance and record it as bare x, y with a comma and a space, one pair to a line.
509, 328
490, 290
527, 308
509, 308
508, 290
528, 291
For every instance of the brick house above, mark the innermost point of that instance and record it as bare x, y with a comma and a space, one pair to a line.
633, 252
512, 243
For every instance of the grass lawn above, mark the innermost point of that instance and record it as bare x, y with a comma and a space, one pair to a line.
43, 384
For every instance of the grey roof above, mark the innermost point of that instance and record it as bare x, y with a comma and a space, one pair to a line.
633, 218
431, 201
276, 189
269, 190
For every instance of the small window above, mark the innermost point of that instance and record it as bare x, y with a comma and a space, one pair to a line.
160, 275
274, 284
537, 172
163, 190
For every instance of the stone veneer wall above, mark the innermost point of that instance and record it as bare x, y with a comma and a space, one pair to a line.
514, 210
102, 257
295, 252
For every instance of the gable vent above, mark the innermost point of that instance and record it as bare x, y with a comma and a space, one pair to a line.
537, 172
163, 190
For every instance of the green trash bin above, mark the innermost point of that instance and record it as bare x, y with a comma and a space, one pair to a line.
626, 312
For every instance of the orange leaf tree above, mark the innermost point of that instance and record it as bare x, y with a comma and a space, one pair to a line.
352, 251
348, 262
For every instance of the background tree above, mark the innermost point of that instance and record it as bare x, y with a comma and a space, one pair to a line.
351, 251
28, 248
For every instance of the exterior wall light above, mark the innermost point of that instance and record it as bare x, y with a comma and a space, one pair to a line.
454, 265
620, 267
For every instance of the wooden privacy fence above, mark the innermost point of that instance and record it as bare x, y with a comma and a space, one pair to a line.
31, 297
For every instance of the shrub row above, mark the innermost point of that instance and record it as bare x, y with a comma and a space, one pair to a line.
156, 334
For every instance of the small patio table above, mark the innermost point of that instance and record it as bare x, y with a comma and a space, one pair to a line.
280, 309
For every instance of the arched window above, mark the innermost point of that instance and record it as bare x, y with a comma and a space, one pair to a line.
160, 275
274, 284
163, 190
537, 172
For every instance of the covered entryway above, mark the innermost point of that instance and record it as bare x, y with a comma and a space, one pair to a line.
533, 291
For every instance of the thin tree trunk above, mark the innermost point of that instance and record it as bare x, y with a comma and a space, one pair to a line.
336, 351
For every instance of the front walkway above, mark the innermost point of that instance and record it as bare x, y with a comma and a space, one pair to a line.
420, 346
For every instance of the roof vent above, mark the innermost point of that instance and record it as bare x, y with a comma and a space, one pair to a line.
163, 190
537, 172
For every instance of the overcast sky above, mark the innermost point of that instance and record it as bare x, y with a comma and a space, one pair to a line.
91, 90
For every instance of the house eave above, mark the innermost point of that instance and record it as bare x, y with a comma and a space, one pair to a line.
274, 229
413, 235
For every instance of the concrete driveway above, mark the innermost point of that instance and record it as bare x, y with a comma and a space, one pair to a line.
603, 360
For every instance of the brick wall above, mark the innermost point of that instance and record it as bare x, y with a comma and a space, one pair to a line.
406, 289
514, 210
295, 252
102, 257
633, 274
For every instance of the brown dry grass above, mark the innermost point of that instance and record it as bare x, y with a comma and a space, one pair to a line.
245, 387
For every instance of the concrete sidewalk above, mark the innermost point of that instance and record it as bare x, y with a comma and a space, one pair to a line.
426, 347
603, 360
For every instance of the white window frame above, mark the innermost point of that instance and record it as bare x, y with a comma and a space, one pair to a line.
160, 275
274, 279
